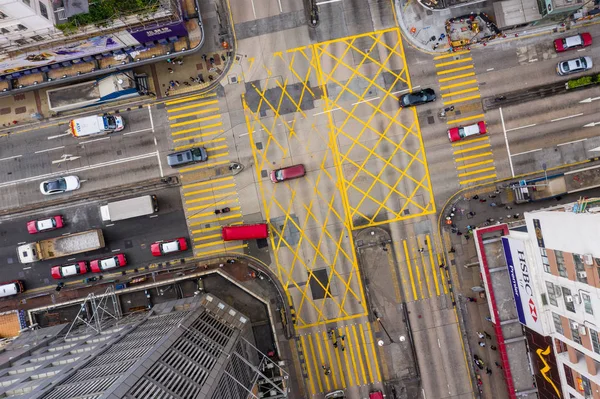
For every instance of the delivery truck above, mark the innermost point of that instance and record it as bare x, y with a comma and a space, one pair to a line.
129, 208
61, 246
96, 125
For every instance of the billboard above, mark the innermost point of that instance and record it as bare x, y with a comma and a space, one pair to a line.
545, 366
159, 32
521, 283
71, 51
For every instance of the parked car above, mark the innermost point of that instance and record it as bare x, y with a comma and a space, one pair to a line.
100, 265
69, 270
287, 173
573, 42
459, 133
39, 226
417, 98
59, 185
575, 65
191, 155
160, 248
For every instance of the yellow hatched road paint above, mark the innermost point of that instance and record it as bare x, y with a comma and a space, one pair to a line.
374, 351
196, 105
318, 368
422, 259
462, 100
470, 141
210, 237
418, 273
229, 217
359, 354
206, 190
471, 149
197, 112
412, 281
192, 121
190, 98
483, 154
449, 71
330, 360
311, 380
345, 352
220, 155
195, 136
338, 360
349, 348
476, 172
476, 164
212, 198
218, 148
454, 62
456, 93
467, 118
493, 176
209, 244
441, 57
206, 230
207, 182
220, 250
195, 208
433, 266
197, 120
322, 361
366, 353
205, 165
466, 82
192, 129
451, 78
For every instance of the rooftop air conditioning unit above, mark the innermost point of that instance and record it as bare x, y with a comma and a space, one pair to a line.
569, 298
582, 330
588, 259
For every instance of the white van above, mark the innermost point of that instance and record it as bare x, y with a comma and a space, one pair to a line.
11, 288
96, 124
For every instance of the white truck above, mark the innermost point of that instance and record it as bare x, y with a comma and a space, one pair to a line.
58, 247
95, 125
129, 208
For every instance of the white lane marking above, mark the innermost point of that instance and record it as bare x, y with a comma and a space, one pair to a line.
70, 259
570, 142
405, 90
327, 2
50, 149
155, 142
138, 131
151, 120
27, 268
253, 8
566, 117
159, 164
21, 243
439, 343
512, 169
366, 101
59, 135
244, 134
326, 112
521, 127
526, 152
109, 225
423, 392
13, 157
589, 100
65, 158
153, 216
580, 50
81, 169
489, 69
592, 124
533, 60
280, 8
116, 250
65, 234
91, 141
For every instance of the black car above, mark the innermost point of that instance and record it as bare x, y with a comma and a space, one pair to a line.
417, 98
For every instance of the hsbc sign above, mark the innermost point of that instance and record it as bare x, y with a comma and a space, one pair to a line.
521, 282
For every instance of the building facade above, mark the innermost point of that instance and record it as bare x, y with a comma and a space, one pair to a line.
554, 268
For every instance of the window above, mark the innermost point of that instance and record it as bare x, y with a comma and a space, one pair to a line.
568, 298
43, 10
595, 340
21, 42
580, 269
560, 262
21, 27
28, 2
37, 38
587, 387
569, 376
551, 293
4, 30
2, 15
587, 303
575, 331
557, 323
545, 260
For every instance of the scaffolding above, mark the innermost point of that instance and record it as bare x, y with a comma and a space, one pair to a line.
99, 312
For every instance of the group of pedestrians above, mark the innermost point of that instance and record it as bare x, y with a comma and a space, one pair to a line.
199, 79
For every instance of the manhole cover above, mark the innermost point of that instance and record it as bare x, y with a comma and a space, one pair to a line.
264, 173
430, 120
259, 146
232, 79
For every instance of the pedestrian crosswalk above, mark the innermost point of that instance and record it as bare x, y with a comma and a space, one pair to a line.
461, 98
197, 121
422, 270
339, 357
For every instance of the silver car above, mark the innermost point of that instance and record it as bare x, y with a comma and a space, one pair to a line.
574, 66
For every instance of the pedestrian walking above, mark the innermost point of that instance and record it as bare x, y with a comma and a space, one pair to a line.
482, 200
508, 207
488, 371
442, 266
187, 83
335, 344
342, 337
497, 192
493, 204
326, 370
210, 77
488, 336
509, 216
490, 220
459, 233
492, 196
421, 250
482, 344
476, 197
177, 83
472, 214
170, 70
492, 347
517, 215
480, 334
166, 93
467, 237
172, 84
498, 365
488, 318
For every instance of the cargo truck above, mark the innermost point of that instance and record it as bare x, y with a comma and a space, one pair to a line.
129, 208
58, 247
96, 124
